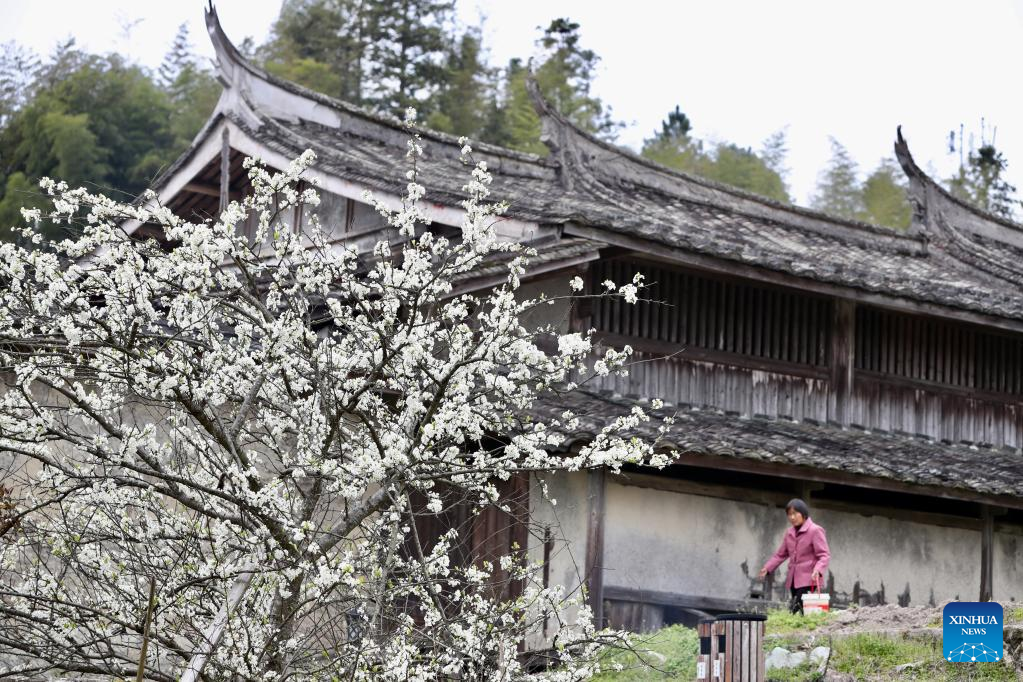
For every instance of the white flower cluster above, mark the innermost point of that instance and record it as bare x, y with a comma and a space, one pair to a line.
282, 415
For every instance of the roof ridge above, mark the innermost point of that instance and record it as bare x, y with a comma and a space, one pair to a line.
545, 109
224, 47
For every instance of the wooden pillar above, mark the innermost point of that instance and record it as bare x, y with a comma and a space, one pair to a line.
987, 541
595, 545
225, 170
842, 359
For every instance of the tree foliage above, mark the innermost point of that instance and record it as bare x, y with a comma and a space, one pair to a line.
98, 119
564, 73
881, 199
462, 103
674, 147
981, 181
271, 420
838, 186
385, 54
884, 196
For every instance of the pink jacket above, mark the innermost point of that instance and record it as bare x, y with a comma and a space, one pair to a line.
806, 548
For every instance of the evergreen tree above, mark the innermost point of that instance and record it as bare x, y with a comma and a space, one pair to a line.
565, 77
409, 42
461, 105
674, 147
838, 188
191, 90
741, 167
884, 196
981, 181
385, 54
177, 59
18, 67
321, 44
774, 153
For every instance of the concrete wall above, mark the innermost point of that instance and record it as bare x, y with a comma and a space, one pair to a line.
707, 546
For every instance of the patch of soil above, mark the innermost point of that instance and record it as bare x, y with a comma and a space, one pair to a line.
882, 619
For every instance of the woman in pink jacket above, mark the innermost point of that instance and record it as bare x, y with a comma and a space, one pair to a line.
806, 548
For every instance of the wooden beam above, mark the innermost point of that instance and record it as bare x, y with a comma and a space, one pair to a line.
202, 188
595, 545
688, 601
987, 541
666, 254
753, 466
842, 359
683, 352
225, 170
207, 190
682, 486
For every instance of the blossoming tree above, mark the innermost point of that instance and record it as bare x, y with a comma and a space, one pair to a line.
248, 428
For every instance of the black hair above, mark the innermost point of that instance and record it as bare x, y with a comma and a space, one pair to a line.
799, 506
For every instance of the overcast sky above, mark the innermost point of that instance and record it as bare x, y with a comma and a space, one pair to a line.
740, 69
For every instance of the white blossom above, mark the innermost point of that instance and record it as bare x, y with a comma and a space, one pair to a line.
280, 413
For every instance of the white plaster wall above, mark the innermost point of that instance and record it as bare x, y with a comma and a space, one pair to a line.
1008, 568
706, 546
567, 518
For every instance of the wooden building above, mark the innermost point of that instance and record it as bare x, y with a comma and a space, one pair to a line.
876, 373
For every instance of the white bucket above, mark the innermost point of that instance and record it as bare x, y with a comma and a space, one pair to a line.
816, 602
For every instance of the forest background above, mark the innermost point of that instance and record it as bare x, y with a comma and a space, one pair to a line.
106, 121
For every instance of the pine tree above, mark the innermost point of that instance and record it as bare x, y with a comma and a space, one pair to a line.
884, 196
673, 147
322, 45
191, 90
177, 59
838, 188
384, 54
461, 104
565, 77
408, 44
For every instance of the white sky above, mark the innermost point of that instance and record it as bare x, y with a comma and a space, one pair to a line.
740, 69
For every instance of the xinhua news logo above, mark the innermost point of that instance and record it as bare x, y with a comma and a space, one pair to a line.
971, 631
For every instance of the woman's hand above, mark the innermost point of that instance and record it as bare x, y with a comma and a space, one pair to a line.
762, 574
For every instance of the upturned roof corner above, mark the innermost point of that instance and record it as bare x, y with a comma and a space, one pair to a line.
555, 131
979, 239
229, 59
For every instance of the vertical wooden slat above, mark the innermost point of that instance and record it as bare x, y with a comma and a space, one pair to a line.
225, 169
761, 661
842, 352
986, 554
785, 322
595, 545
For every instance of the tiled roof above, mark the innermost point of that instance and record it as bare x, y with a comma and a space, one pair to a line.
954, 256
894, 456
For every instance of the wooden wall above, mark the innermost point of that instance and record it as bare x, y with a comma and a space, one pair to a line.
761, 350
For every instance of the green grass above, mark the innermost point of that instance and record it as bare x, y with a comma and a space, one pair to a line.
874, 657
781, 622
668, 654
